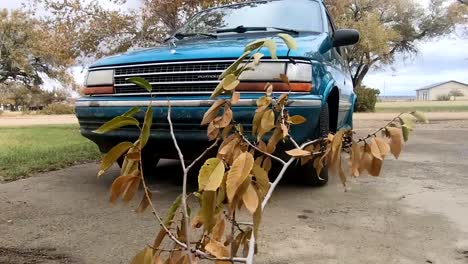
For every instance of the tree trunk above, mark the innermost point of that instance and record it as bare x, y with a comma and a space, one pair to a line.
359, 75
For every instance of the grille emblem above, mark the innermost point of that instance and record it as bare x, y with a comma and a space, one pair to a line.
204, 77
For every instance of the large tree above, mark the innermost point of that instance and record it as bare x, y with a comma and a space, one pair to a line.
391, 27
30, 50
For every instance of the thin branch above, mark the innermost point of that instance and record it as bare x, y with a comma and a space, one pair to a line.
184, 184
203, 154
261, 151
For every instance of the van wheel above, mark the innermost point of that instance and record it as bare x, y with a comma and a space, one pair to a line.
308, 174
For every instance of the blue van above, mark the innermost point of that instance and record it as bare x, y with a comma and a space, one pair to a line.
186, 70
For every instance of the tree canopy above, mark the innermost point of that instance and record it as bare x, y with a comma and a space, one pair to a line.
391, 27
29, 47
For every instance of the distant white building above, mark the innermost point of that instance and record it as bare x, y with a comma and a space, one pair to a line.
432, 92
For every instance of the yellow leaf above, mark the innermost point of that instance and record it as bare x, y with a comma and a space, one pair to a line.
263, 103
111, 157
211, 114
406, 131
144, 257
217, 91
144, 203
296, 120
115, 123
211, 175
407, 120
250, 199
271, 45
298, 152
217, 249
239, 171
231, 83
290, 41
421, 117
318, 165
257, 57
256, 122
146, 130
208, 210
257, 218
157, 260
234, 65
254, 45
261, 179
395, 140
374, 147
235, 98
335, 151
267, 123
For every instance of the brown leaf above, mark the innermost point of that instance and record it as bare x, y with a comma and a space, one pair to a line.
235, 98
157, 260
211, 114
226, 118
239, 171
134, 155
366, 160
335, 151
218, 229
395, 140
285, 130
213, 131
217, 249
274, 140
250, 199
374, 147
144, 257
197, 221
262, 146
132, 188
355, 159
318, 165
118, 186
375, 167
267, 164
298, 153
144, 203
296, 120
383, 146
269, 89
261, 179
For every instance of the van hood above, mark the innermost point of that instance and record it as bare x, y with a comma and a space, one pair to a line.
310, 46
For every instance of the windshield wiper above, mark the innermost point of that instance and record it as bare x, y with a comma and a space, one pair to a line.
242, 29
184, 35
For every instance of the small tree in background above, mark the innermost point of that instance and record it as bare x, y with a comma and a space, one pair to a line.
456, 93
366, 99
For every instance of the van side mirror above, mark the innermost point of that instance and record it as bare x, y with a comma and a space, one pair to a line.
345, 37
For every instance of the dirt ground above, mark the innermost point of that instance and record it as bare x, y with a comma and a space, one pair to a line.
415, 213
28, 120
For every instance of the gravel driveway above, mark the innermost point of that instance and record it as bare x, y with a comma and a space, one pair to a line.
417, 212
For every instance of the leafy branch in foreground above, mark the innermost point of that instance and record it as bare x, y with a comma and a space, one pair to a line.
239, 175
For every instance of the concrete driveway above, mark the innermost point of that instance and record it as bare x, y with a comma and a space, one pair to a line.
417, 212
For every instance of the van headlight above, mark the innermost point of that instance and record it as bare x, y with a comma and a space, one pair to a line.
100, 77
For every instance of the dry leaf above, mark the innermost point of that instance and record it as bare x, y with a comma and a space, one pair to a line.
285, 130
296, 120
144, 203
211, 114
384, 148
355, 159
250, 199
374, 147
235, 98
212, 132
239, 171
298, 153
218, 229
217, 249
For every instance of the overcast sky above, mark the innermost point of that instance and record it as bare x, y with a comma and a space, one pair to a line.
437, 61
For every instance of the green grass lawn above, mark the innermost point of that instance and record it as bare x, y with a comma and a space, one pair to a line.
424, 106
28, 150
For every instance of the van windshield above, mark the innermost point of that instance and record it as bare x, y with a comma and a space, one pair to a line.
298, 15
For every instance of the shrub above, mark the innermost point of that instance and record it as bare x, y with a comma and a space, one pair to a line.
366, 99
57, 109
443, 97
